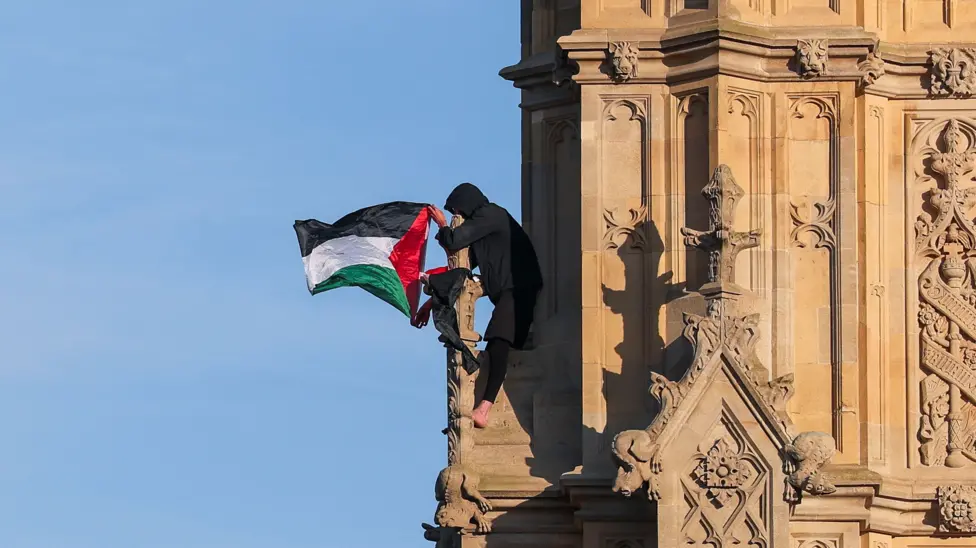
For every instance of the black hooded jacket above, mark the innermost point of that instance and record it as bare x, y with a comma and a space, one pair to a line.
499, 246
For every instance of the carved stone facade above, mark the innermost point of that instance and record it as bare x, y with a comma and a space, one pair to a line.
801, 374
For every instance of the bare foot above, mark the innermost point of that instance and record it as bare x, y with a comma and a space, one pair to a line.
480, 414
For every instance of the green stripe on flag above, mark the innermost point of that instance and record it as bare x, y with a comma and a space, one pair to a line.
379, 280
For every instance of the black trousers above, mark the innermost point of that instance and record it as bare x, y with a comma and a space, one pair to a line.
509, 327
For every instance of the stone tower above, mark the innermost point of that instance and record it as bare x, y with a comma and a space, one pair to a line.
756, 224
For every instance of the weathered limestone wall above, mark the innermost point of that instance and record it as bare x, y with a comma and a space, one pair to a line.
850, 128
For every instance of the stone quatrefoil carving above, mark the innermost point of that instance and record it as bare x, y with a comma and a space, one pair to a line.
818, 224
623, 227
722, 471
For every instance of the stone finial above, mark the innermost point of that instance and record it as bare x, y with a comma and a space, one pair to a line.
623, 60
811, 57
958, 158
720, 241
957, 508
953, 71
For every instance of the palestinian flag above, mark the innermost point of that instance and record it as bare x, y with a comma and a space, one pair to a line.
380, 249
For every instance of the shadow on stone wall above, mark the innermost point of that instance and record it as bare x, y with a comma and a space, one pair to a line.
644, 345
546, 412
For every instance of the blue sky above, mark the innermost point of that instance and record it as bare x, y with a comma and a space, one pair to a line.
165, 378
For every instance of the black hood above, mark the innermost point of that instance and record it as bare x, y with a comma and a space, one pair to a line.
465, 199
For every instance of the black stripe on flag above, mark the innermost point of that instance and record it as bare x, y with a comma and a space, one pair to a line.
390, 220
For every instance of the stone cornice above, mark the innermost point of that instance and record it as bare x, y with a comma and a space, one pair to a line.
764, 54
889, 504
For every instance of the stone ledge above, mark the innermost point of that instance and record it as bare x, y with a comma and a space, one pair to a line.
723, 47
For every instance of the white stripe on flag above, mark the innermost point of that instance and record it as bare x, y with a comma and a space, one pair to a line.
326, 259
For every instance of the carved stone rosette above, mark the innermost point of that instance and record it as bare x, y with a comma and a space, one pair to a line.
819, 224
953, 71
957, 509
624, 61
947, 307
724, 494
722, 471
459, 503
811, 57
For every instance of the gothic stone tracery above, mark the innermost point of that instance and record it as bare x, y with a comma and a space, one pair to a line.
727, 471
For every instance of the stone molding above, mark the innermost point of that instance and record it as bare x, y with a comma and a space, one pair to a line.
841, 54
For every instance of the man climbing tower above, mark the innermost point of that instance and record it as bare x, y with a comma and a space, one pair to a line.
510, 272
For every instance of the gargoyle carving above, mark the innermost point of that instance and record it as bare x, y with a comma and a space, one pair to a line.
871, 68
459, 503
802, 461
444, 537
637, 454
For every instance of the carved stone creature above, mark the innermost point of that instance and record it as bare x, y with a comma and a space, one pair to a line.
953, 71
802, 461
957, 509
459, 503
444, 537
623, 60
636, 450
637, 454
871, 68
778, 392
811, 57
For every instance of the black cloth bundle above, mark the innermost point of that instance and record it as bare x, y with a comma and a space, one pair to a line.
444, 289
